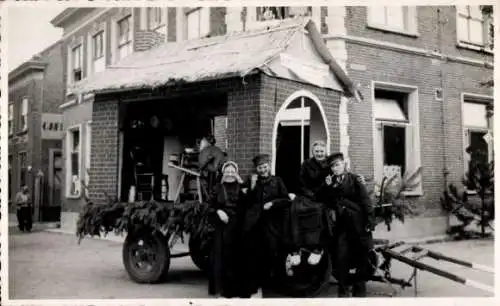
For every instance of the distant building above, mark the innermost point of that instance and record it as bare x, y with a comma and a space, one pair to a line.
419, 70
35, 130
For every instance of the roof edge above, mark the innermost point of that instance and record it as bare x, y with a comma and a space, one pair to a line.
26, 67
339, 72
63, 16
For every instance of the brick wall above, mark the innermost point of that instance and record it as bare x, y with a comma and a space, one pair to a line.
146, 39
53, 89
104, 149
441, 145
274, 93
220, 131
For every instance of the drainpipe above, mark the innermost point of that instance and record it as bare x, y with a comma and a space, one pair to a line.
443, 108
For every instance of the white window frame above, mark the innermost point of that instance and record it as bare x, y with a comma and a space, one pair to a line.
74, 61
97, 61
152, 14
486, 22
254, 22
412, 21
23, 122
69, 145
479, 99
413, 148
203, 29
88, 152
128, 43
11, 119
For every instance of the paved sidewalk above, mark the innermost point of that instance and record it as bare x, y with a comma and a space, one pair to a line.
47, 265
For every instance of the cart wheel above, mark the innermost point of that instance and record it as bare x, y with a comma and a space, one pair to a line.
146, 257
199, 256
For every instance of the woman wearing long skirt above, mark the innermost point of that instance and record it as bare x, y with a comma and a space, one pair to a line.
226, 205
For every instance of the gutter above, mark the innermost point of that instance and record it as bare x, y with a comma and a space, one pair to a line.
349, 85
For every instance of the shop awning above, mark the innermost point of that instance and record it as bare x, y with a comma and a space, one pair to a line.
235, 54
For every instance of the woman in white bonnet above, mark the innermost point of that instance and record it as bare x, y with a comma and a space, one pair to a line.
226, 204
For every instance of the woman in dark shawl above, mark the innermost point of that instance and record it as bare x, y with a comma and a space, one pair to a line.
314, 171
266, 197
226, 205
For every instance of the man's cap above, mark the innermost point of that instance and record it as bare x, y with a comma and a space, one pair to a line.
261, 159
334, 157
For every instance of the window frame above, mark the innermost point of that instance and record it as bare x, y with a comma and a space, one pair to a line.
413, 156
68, 152
202, 32
126, 44
23, 115
254, 20
467, 97
11, 118
486, 23
412, 21
88, 152
78, 69
152, 15
101, 54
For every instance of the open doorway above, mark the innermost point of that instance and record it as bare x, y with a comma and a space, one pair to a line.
298, 124
155, 133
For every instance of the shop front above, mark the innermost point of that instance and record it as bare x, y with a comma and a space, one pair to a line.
271, 91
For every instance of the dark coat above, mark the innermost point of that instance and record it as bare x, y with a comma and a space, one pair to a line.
261, 229
225, 276
352, 238
312, 177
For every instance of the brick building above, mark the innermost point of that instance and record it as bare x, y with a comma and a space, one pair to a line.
418, 69
35, 129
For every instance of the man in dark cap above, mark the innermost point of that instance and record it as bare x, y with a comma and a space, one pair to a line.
351, 241
266, 196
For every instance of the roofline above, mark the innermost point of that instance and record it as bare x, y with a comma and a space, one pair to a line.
63, 16
26, 67
345, 80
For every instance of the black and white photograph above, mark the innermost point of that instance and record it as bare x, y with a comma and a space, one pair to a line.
154, 150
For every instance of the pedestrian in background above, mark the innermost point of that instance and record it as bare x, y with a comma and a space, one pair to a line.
23, 203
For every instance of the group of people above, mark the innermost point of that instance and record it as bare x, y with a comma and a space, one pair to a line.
244, 251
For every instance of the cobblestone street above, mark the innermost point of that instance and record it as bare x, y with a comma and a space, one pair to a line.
45, 265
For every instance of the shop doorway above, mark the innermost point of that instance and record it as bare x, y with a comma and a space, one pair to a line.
298, 123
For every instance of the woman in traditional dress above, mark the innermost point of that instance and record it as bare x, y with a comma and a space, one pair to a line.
266, 197
227, 206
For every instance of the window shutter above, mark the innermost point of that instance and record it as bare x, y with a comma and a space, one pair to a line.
114, 42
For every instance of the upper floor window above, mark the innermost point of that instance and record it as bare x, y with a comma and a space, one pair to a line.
76, 58
265, 13
399, 19
198, 22
11, 118
124, 37
473, 28
24, 115
155, 17
98, 58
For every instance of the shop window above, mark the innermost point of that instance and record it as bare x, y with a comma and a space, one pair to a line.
73, 173
477, 130
399, 19
24, 115
98, 58
197, 22
473, 27
396, 135
124, 37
